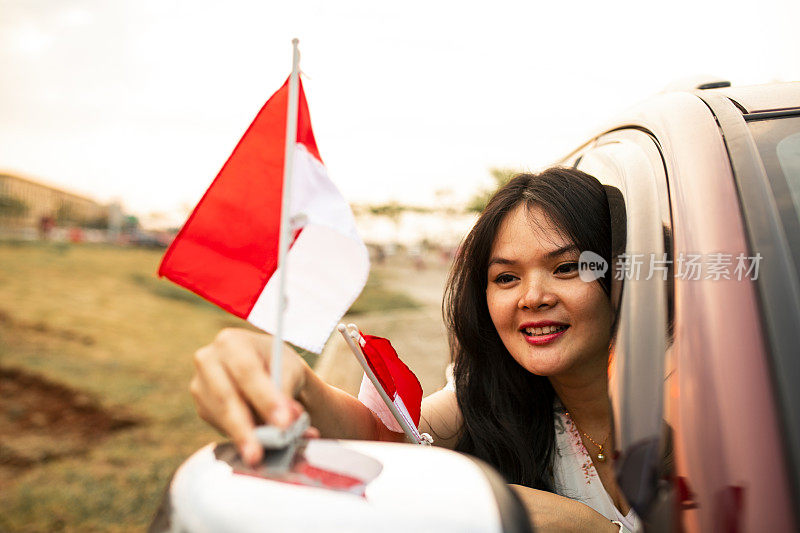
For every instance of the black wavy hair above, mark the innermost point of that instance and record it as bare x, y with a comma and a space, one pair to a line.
508, 411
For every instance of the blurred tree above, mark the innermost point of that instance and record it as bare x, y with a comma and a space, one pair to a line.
392, 210
130, 224
65, 214
12, 206
501, 176
100, 222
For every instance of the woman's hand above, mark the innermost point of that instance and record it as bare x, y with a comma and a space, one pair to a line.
551, 512
233, 390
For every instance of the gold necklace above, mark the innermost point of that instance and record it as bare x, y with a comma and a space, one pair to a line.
601, 457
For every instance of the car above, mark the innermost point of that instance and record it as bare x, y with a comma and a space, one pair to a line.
704, 188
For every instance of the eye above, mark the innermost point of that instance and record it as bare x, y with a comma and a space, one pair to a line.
503, 279
567, 268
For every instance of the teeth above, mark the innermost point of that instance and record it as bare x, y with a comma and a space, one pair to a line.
544, 331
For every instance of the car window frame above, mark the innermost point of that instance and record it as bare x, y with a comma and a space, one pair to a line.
642, 327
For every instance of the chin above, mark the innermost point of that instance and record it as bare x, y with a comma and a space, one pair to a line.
542, 364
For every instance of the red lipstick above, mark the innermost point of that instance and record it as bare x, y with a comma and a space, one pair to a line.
539, 340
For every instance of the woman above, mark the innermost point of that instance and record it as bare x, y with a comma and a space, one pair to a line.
530, 341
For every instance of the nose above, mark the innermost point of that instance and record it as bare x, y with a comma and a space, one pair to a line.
537, 295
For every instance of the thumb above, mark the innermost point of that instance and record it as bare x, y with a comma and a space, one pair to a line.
250, 449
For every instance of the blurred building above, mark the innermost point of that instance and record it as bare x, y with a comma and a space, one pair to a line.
27, 204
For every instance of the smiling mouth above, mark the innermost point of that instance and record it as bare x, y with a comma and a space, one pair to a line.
544, 331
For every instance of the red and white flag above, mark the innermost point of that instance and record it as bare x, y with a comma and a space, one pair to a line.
227, 252
398, 382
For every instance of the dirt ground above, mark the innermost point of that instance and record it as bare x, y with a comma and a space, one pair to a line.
43, 421
418, 335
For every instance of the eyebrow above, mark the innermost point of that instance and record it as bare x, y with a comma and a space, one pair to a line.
561, 251
549, 255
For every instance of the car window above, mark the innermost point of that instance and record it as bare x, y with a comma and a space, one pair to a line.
772, 210
631, 163
788, 151
778, 143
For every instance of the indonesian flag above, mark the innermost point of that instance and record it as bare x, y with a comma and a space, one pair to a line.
397, 381
227, 252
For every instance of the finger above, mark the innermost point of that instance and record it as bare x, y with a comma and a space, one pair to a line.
311, 433
247, 356
207, 394
227, 411
250, 365
197, 389
248, 374
291, 373
295, 409
240, 428
254, 383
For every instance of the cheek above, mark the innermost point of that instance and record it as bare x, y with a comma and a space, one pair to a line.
500, 309
595, 310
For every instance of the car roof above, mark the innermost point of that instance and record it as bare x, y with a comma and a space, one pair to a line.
761, 98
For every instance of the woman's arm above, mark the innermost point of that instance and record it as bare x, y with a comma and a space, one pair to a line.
337, 414
441, 418
553, 513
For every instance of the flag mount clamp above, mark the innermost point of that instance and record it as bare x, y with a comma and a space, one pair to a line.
281, 444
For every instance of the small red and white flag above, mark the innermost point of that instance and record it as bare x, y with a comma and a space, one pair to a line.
227, 252
389, 388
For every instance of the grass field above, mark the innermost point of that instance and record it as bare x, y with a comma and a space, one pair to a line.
90, 440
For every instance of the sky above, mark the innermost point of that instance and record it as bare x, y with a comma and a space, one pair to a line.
142, 101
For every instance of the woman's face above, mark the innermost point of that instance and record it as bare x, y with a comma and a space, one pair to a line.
551, 321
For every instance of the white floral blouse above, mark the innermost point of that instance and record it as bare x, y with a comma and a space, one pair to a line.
576, 478
574, 472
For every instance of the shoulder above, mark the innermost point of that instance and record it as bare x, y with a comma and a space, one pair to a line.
451, 382
441, 418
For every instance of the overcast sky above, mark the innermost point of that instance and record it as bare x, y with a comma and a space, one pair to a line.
143, 100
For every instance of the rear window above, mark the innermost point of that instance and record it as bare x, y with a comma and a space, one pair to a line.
788, 151
778, 142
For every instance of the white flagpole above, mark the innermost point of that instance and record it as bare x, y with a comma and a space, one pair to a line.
285, 230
